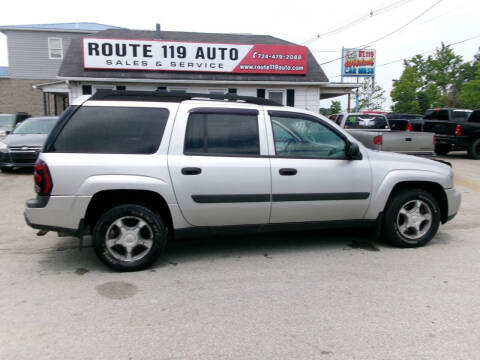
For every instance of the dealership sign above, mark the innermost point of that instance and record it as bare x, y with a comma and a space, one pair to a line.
358, 62
161, 55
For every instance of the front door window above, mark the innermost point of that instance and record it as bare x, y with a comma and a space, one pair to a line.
305, 138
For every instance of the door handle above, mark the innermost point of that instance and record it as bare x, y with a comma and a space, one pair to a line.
287, 172
191, 171
408, 139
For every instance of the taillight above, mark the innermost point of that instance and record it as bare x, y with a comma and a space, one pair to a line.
409, 127
458, 130
378, 140
434, 140
42, 178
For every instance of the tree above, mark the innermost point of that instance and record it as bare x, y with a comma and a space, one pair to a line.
335, 107
370, 97
470, 92
324, 111
404, 92
443, 70
429, 97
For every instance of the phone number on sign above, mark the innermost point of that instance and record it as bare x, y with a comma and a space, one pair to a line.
276, 56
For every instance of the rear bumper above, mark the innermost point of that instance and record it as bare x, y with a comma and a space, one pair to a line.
454, 198
57, 213
456, 141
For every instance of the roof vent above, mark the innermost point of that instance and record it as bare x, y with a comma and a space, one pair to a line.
158, 34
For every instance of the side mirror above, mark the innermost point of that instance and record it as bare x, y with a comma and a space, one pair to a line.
353, 152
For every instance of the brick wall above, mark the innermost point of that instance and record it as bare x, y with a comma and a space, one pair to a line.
18, 95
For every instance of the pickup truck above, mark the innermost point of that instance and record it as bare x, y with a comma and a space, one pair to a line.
405, 121
456, 129
374, 131
131, 167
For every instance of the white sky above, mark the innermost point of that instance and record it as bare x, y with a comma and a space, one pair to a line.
297, 21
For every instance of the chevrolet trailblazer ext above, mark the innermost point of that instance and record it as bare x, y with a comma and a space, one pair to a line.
128, 167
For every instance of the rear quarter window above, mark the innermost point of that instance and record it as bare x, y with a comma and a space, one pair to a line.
112, 130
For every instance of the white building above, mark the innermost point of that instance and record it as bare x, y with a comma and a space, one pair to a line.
108, 62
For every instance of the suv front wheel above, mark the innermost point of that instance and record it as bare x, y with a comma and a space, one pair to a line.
129, 237
411, 218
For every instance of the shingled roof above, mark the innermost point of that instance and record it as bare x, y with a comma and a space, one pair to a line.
72, 65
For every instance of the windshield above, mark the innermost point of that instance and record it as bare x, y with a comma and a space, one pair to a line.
35, 126
7, 120
366, 122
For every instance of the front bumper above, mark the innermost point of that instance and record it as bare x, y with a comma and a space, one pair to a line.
454, 198
24, 159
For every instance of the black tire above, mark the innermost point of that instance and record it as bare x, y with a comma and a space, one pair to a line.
442, 149
394, 221
113, 257
474, 149
6, 169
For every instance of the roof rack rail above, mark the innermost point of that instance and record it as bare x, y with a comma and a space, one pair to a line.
173, 96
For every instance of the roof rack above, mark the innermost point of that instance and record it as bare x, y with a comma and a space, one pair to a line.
173, 96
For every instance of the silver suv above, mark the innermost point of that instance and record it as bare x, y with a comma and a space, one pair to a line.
131, 167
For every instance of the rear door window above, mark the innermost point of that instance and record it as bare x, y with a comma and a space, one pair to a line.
230, 134
113, 130
461, 115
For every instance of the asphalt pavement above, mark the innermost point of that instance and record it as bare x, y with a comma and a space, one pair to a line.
310, 295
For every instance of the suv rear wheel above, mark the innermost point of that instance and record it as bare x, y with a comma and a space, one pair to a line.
412, 218
474, 149
129, 237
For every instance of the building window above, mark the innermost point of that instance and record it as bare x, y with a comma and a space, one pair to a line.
86, 89
277, 96
102, 87
182, 90
217, 91
55, 49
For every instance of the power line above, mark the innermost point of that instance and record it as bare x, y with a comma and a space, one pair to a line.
358, 20
429, 51
390, 33
423, 53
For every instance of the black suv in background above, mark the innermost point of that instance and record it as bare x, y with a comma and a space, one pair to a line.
456, 129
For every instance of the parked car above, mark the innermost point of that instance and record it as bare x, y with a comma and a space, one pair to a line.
405, 121
21, 148
9, 121
131, 167
374, 131
456, 129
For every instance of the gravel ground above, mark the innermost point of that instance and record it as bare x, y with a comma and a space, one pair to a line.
314, 295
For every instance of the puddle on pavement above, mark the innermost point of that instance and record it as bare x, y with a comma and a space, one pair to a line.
117, 290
